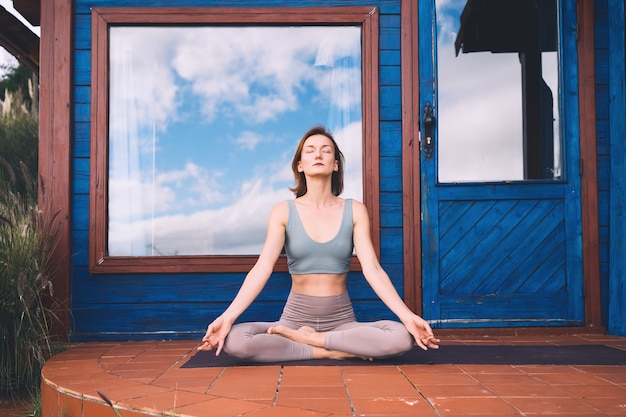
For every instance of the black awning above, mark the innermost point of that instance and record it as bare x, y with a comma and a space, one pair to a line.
501, 26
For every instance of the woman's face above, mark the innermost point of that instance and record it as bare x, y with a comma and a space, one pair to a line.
318, 156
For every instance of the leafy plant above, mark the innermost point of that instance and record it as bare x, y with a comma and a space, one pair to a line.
27, 239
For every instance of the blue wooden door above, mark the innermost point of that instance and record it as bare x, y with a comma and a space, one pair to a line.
500, 170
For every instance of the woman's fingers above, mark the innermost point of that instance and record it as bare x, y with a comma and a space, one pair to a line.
220, 345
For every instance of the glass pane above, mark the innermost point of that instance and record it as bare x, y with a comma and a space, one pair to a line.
203, 123
497, 108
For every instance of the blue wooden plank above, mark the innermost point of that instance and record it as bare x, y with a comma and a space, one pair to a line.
390, 139
82, 94
617, 129
601, 25
81, 144
600, 7
389, 75
603, 233
515, 249
82, 112
503, 311
384, 6
390, 174
80, 174
391, 210
545, 262
391, 246
169, 288
603, 208
179, 321
601, 70
158, 319
603, 104
602, 137
80, 212
489, 191
390, 103
82, 67
389, 57
361, 292
487, 242
389, 38
82, 26
457, 222
79, 255
390, 21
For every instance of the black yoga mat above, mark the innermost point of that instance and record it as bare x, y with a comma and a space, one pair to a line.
450, 354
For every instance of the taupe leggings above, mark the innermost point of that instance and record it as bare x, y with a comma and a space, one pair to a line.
331, 314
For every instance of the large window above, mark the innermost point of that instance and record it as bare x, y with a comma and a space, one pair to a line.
498, 91
196, 115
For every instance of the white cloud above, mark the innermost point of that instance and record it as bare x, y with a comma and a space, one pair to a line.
259, 82
142, 84
238, 227
248, 140
255, 73
479, 117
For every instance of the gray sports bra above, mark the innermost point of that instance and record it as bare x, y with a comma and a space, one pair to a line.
306, 256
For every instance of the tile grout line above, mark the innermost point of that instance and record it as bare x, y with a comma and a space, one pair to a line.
345, 385
206, 392
280, 378
416, 388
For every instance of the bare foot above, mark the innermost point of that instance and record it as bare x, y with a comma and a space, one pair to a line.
309, 336
321, 353
304, 334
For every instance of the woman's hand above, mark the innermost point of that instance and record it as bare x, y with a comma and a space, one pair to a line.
215, 335
422, 333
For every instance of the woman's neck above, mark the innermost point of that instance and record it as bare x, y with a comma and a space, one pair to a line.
319, 194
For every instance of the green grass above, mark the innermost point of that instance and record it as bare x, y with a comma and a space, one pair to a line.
27, 238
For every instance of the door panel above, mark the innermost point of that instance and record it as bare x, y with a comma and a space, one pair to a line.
500, 247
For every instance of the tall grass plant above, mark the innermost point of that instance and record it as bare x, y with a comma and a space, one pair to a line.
27, 239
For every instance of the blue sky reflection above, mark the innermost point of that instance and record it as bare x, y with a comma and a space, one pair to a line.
203, 124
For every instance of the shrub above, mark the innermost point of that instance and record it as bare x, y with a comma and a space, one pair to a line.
26, 308
18, 140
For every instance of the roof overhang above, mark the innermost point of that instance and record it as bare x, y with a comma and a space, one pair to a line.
16, 37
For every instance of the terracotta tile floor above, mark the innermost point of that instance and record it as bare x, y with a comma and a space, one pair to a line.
145, 378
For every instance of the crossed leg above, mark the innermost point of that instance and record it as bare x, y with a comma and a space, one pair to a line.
381, 339
309, 336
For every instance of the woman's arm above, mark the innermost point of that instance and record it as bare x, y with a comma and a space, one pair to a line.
382, 285
254, 282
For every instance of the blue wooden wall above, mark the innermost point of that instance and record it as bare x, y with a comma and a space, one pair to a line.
617, 173
148, 306
601, 40
610, 134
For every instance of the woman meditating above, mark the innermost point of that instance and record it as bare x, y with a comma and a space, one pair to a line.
319, 231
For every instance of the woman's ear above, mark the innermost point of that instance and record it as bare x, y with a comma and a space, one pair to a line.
336, 166
300, 166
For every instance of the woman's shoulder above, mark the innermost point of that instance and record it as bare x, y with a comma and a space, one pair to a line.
280, 210
356, 203
359, 210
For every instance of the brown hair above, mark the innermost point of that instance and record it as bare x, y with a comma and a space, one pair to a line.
337, 179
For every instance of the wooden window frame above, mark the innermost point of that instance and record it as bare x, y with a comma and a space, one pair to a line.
103, 18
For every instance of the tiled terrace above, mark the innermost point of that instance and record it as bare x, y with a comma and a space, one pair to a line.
146, 378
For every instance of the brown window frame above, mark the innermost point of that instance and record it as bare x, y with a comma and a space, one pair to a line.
103, 18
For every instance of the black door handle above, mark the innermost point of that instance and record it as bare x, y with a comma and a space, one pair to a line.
428, 120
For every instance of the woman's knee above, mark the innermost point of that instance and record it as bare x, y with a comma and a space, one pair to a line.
238, 341
400, 340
